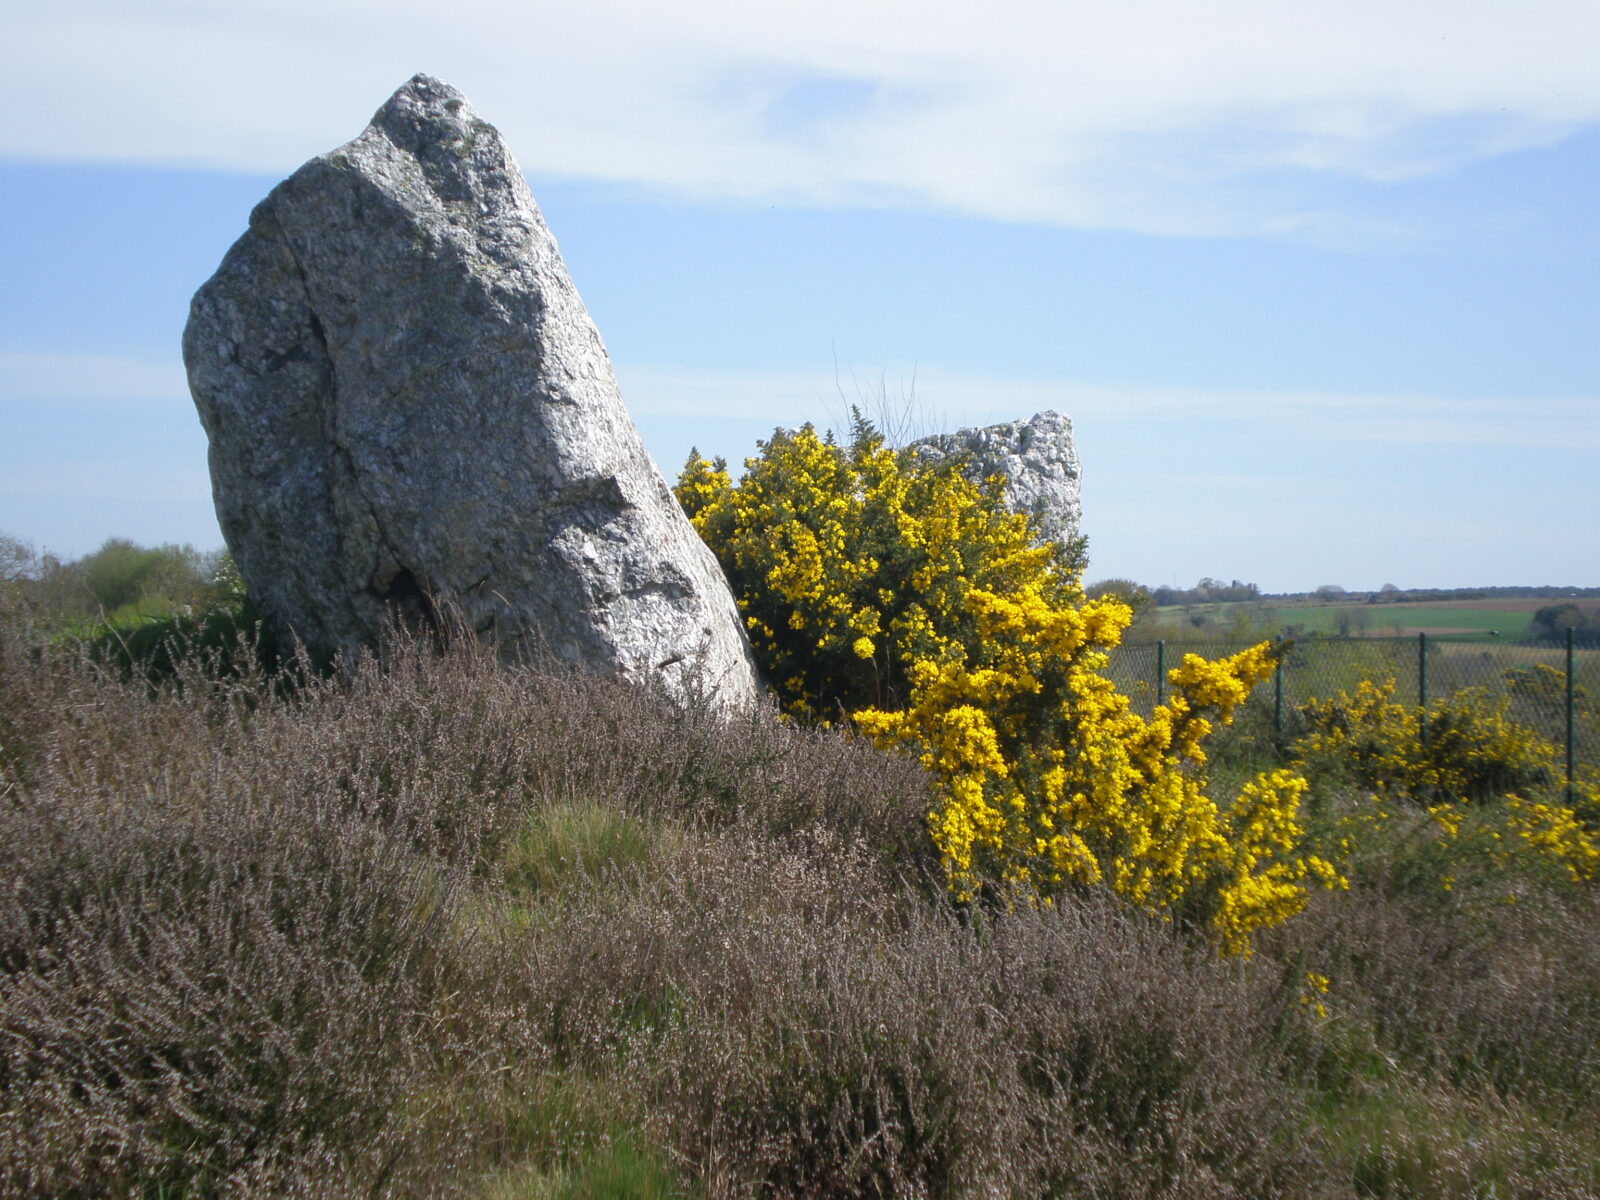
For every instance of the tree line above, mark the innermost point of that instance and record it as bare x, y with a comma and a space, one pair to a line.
119, 584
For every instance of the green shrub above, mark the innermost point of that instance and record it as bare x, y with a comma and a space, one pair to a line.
121, 573
1462, 748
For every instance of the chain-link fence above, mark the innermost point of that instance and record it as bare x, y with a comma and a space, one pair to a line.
1554, 689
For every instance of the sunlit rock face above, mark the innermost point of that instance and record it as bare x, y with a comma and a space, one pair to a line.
1037, 458
408, 405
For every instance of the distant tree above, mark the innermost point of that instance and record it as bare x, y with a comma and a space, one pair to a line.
41, 585
117, 573
1553, 621
122, 573
1351, 620
1241, 627
17, 564
1329, 592
17, 560
122, 582
1207, 591
1136, 596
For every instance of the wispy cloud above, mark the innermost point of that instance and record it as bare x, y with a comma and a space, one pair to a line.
1169, 116
946, 400
1287, 488
940, 399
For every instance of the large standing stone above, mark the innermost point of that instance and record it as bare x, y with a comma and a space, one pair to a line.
1037, 458
407, 403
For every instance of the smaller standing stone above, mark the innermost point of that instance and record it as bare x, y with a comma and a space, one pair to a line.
1037, 458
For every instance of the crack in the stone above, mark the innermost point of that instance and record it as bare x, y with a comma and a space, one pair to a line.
670, 589
342, 447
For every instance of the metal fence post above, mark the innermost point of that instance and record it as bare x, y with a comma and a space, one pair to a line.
1571, 727
1161, 671
1277, 698
1422, 683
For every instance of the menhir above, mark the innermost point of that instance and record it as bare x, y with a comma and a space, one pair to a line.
1038, 459
408, 406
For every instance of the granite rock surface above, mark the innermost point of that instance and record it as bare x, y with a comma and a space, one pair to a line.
408, 405
1037, 458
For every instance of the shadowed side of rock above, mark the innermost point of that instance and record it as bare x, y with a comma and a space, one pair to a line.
406, 399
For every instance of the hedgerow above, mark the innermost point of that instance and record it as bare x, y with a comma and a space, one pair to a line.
905, 599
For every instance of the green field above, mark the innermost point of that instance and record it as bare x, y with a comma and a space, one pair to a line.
1410, 618
1509, 619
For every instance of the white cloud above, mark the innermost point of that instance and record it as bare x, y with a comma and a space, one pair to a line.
1164, 115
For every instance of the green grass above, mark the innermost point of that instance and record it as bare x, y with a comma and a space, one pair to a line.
563, 1137
617, 1169
1467, 620
1368, 620
1407, 1139
556, 844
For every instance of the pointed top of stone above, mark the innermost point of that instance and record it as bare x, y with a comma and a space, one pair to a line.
432, 124
425, 87
425, 110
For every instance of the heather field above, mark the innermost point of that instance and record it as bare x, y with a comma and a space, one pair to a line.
431, 926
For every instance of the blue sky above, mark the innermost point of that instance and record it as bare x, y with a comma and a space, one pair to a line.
1318, 283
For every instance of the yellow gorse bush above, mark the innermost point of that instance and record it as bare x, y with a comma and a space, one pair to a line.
1472, 750
1476, 772
907, 600
848, 568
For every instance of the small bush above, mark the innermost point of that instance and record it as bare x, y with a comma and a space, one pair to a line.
1488, 785
195, 990
1455, 1043
1462, 748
